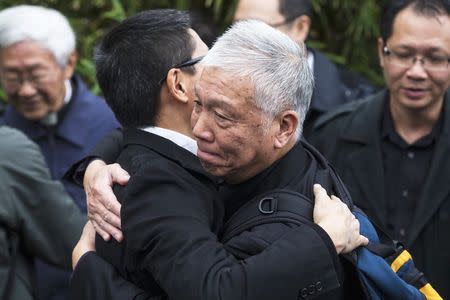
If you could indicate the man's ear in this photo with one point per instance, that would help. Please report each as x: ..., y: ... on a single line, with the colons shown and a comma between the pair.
x: 287, y: 126
x: 381, y: 45
x: 70, y: 66
x: 177, y: 83
x: 300, y: 28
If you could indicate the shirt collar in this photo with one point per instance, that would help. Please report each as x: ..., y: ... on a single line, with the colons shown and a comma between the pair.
x: 388, y: 130
x: 54, y: 117
x: 180, y: 139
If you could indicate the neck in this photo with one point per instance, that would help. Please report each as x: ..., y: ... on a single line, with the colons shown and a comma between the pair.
x: 176, y: 120
x: 174, y: 115
x: 413, y: 124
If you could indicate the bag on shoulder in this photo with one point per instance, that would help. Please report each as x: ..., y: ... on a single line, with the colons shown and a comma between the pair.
x: 384, y: 267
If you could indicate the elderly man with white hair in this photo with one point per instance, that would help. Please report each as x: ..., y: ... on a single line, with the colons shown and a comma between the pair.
x: 48, y: 103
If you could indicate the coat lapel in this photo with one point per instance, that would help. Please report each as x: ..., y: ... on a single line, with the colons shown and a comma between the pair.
x: 437, y: 187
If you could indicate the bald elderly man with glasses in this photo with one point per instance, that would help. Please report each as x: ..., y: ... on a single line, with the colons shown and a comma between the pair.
x: 392, y: 150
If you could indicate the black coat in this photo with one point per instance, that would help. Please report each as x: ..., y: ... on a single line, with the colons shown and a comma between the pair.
x: 170, y: 218
x: 350, y: 139
x: 333, y: 87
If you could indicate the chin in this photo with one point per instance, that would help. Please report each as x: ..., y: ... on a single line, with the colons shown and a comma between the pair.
x: 34, y: 116
x: 214, y: 170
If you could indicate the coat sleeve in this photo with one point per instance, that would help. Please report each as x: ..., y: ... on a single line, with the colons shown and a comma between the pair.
x: 108, y: 149
x: 94, y: 278
x: 166, y: 223
x: 47, y: 219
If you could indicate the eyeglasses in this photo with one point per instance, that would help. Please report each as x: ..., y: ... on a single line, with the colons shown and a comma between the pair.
x: 184, y: 64
x: 431, y: 62
x: 12, y: 81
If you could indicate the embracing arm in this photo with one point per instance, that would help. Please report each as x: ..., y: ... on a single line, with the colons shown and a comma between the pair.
x: 107, y: 150
x: 94, y: 278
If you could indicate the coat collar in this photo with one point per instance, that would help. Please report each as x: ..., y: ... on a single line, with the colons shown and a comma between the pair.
x: 70, y: 128
x: 167, y: 149
x: 365, y: 123
x: 363, y: 130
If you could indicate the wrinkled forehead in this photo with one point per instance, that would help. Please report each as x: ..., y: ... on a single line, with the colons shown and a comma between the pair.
x: 218, y: 83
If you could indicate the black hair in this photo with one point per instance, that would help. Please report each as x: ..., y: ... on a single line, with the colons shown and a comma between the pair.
x: 135, y: 56
x: 430, y: 8
x: 291, y: 9
x: 205, y: 26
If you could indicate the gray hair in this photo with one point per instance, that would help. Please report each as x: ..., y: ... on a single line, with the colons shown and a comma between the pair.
x: 45, y: 26
x: 276, y: 65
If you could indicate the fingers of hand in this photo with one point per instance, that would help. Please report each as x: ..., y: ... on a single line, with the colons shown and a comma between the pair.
x: 320, y: 193
x: 113, y: 231
x: 355, y: 239
x: 109, y: 201
x: 363, y: 240
x: 99, y: 229
x: 106, y: 227
x: 118, y: 175
x: 102, y: 196
x: 111, y: 219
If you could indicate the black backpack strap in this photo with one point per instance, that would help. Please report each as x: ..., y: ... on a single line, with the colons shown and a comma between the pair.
x: 13, y: 238
x: 275, y: 206
x: 327, y: 176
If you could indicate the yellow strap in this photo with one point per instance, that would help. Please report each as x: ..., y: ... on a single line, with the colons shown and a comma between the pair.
x: 400, y: 260
x: 427, y: 290
x: 430, y: 293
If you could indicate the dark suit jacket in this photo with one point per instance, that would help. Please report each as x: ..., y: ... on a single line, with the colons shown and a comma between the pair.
x: 350, y: 138
x: 170, y: 217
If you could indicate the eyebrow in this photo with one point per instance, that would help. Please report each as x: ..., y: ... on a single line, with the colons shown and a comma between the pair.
x: 431, y: 49
x: 29, y: 68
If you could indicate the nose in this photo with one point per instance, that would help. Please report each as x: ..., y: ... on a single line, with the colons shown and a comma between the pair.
x: 26, y: 89
x: 417, y: 70
x: 200, y: 128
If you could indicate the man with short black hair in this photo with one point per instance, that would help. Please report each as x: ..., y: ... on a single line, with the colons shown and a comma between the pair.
x: 392, y: 150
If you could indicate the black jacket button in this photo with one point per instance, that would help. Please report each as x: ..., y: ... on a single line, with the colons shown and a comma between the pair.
x: 304, y: 293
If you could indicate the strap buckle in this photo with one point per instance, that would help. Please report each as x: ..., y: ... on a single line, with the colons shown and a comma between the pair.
x: 267, y: 205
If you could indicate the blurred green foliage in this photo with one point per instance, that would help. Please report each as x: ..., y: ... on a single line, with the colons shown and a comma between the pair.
x: 345, y: 30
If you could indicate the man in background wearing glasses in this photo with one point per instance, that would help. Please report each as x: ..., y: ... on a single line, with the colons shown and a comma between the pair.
x: 48, y: 103
x: 393, y: 149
